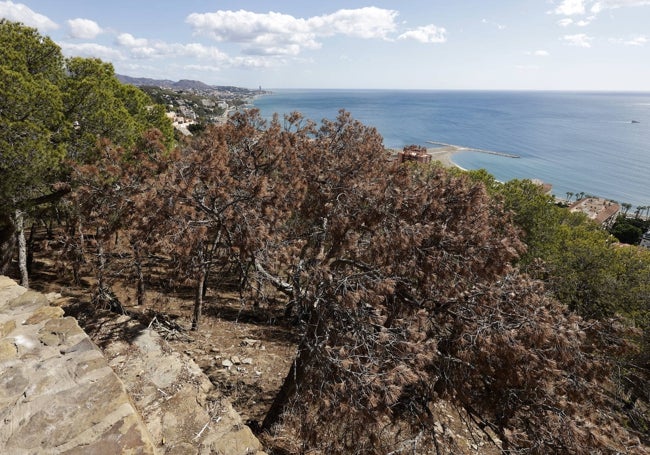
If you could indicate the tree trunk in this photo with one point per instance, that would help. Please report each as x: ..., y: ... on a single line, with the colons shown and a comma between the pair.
x: 198, y: 300
x: 30, y: 248
x: 101, y: 266
x: 78, y: 253
x: 215, y: 245
x: 7, y: 242
x: 293, y: 380
x: 286, y: 392
x: 22, y: 249
x: 140, y: 292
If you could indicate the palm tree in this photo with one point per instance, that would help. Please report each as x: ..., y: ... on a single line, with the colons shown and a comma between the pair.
x: 639, y: 208
x: 569, y: 195
x: 626, y: 206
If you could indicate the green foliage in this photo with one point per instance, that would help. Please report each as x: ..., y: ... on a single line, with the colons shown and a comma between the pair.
x: 580, y: 262
x: 31, y: 113
x: 94, y: 104
x: 583, y: 270
x: 100, y: 106
x: 25, y: 50
x: 145, y: 113
x: 535, y: 213
x: 52, y: 109
x: 196, y: 128
x: 629, y: 230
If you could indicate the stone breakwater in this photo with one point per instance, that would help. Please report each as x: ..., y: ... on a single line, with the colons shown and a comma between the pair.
x: 59, y: 394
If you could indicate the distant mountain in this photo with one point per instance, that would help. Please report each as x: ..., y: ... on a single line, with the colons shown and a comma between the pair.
x: 186, y: 84
x: 183, y: 84
x: 139, y: 81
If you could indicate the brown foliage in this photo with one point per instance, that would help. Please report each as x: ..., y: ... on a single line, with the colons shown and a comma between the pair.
x: 409, y: 298
x: 400, y: 277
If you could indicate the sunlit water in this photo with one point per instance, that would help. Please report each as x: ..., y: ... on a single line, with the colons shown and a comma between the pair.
x: 578, y: 142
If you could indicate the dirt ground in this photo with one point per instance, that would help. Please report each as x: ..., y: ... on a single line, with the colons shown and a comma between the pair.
x: 245, y: 353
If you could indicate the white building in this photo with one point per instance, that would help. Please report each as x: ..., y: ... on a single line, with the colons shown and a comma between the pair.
x: 645, y: 240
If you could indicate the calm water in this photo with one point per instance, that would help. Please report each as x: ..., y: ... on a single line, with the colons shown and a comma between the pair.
x: 579, y: 142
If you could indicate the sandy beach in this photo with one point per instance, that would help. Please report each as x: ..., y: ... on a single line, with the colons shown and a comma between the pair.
x: 442, y: 154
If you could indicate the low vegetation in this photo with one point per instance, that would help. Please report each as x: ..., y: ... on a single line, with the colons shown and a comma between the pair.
x: 407, y: 285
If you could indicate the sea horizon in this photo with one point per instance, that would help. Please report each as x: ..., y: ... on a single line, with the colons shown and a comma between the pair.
x: 596, y: 142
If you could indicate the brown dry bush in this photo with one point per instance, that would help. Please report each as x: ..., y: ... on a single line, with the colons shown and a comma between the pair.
x: 409, y: 298
x: 399, y: 276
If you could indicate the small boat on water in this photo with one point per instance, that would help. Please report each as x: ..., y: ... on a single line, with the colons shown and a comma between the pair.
x: 635, y: 121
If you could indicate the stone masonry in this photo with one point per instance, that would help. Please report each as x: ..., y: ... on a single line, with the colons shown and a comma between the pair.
x: 59, y: 394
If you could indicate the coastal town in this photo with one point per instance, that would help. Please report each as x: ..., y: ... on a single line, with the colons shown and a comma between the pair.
x: 193, y: 104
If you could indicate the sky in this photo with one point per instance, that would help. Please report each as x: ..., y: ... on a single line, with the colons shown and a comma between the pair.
x: 376, y: 44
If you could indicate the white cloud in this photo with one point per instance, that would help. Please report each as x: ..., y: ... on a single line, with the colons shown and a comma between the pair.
x: 579, y: 40
x: 142, y: 48
x: 84, y: 28
x: 570, y: 7
x: 263, y: 34
x: 495, y: 24
x: 640, y: 40
x: 128, y: 40
x: 278, y: 34
x: 18, y: 12
x: 586, y: 21
x: 579, y: 23
x: 539, y: 53
x: 202, y: 68
x: 91, y: 50
x: 370, y: 22
x: 580, y: 7
x: 637, y: 41
x: 198, y: 50
x: 426, y: 34
x: 527, y: 67
x: 254, y: 62
x: 613, y: 4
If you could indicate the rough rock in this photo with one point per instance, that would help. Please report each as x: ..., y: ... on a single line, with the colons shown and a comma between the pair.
x: 57, y: 392
x: 183, y: 411
x: 60, y: 394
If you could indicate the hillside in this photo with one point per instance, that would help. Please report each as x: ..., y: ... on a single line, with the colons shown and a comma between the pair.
x: 347, y: 302
x: 194, y: 101
x: 191, y: 85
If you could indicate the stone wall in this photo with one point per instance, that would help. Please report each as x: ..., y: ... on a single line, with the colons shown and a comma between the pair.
x: 57, y: 392
x: 60, y: 394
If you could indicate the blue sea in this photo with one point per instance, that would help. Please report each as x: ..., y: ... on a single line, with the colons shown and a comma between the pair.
x: 578, y: 142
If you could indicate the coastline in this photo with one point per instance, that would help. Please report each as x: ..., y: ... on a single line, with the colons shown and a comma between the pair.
x: 444, y: 155
x: 579, y: 142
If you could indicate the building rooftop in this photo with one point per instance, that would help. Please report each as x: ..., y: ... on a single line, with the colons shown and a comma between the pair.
x: 600, y: 210
x: 414, y: 153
